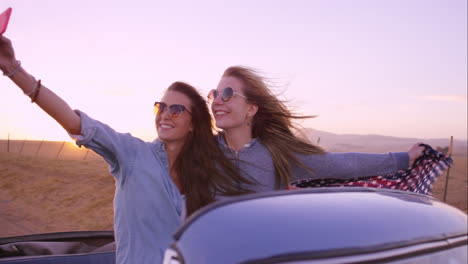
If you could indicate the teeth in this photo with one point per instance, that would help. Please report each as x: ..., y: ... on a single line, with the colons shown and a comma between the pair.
x: 165, y: 126
x: 220, y: 112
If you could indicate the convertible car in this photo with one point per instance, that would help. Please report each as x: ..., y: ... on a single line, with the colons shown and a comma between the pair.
x: 67, y: 247
x: 315, y: 225
x: 324, y: 225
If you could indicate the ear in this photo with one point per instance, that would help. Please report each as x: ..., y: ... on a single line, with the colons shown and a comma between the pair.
x: 191, y: 126
x: 252, y: 110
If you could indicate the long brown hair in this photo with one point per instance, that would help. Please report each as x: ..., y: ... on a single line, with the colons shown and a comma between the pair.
x: 203, y: 169
x: 273, y: 124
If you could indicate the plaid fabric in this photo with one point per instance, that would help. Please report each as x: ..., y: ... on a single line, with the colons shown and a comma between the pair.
x: 419, y: 178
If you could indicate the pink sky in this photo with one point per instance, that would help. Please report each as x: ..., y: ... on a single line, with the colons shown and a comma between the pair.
x: 396, y: 68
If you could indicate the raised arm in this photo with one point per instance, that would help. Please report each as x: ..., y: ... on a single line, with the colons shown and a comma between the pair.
x: 355, y: 165
x: 55, y: 106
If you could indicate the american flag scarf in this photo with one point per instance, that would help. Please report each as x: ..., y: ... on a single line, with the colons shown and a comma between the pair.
x: 419, y: 178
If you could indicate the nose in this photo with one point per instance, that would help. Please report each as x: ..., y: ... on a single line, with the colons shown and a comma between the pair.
x: 218, y: 100
x: 165, y: 114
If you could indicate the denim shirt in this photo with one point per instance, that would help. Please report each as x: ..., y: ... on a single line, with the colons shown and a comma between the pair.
x: 147, y: 203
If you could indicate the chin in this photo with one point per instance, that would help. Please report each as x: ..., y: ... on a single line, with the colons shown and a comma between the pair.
x: 227, y: 125
x: 221, y: 124
x: 171, y: 138
x: 164, y: 137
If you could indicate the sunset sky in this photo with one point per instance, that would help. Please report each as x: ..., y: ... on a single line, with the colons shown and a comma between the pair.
x: 387, y: 67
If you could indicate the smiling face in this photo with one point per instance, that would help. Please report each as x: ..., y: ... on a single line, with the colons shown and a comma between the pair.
x: 170, y: 129
x: 236, y: 113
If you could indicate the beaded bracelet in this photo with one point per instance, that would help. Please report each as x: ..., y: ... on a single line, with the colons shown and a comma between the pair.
x: 35, y: 91
x: 14, y: 71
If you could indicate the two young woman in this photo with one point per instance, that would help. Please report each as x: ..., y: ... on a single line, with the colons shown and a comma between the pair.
x: 187, y: 158
x: 152, y: 178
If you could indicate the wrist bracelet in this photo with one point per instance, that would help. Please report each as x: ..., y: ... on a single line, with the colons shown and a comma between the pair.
x: 14, y: 71
x: 36, y: 92
x: 33, y: 89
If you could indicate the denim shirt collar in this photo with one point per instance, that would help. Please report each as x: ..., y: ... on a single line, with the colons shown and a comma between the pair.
x: 160, y: 150
x: 159, y: 145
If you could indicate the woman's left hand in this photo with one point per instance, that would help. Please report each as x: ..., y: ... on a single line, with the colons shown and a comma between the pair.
x: 415, y: 152
x: 7, y: 55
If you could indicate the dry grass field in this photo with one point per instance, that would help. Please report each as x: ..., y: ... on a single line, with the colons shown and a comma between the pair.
x: 41, y: 191
x: 40, y: 195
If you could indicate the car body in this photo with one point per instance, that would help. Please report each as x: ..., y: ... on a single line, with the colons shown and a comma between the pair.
x: 91, y: 247
x: 324, y: 225
x: 315, y: 225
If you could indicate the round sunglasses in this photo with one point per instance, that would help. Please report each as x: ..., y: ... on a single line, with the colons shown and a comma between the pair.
x: 175, y: 110
x: 227, y: 94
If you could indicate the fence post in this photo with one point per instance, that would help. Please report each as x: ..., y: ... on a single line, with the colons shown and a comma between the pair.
x: 22, y: 145
x: 448, y: 170
x: 39, y: 148
x: 86, y: 154
x: 60, y: 150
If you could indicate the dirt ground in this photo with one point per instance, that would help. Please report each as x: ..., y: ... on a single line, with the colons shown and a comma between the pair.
x: 41, y: 194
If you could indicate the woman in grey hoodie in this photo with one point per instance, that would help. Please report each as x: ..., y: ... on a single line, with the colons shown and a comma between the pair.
x: 257, y: 132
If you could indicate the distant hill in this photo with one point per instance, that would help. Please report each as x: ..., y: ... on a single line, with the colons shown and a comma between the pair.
x: 330, y: 141
x: 377, y: 143
x: 65, y: 150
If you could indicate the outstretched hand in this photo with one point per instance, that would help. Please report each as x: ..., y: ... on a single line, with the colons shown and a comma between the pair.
x: 415, y: 152
x: 7, y: 55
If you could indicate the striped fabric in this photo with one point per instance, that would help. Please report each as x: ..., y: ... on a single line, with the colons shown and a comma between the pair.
x: 419, y: 178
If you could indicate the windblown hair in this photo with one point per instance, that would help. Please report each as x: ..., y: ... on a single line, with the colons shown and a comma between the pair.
x: 273, y: 124
x: 203, y: 169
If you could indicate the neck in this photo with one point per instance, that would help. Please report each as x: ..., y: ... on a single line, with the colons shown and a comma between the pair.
x: 173, y: 150
x: 236, y: 138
